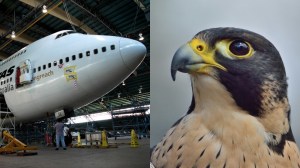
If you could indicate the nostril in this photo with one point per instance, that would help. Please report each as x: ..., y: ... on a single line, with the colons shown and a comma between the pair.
x: 200, y: 47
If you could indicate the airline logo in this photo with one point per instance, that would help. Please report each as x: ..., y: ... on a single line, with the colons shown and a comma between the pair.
x: 6, y: 72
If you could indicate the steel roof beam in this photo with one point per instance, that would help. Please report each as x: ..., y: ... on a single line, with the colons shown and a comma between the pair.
x: 23, y: 38
x: 140, y: 4
x: 27, y: 26
x: 144, y: 9
x: 97, y: 15
x: 59, y: 13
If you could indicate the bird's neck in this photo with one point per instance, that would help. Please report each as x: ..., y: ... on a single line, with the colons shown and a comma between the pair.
x: 211, y: 94
x: 221, y: 115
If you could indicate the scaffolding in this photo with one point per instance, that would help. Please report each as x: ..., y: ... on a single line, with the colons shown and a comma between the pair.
x: 8, y: 141
x: 7, y: 119
x: 7, y: 123
x: 134, y: 118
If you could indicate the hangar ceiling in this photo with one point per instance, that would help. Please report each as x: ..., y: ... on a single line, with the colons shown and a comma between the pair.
x: 125, y: 18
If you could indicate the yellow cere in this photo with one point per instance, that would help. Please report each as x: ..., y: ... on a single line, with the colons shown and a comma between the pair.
x: 203, y: 51
x: 223, y: 47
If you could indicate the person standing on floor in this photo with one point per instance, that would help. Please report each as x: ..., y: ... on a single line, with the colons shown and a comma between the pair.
x: 59, y: 128
x: 67, y: 135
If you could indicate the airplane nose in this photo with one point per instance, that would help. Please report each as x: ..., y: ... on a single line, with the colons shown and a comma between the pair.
x: 132, y: 52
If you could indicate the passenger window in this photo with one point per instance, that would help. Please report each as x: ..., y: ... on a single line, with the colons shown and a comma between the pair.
x: 103, y: 49
x: 3, y: 82
x: 95, y: 51
x: 112, y: 47
x: 10, y: 78
x: 54, y: 63
x: 49, y: 65
x: 73, y: 57
x: 34, y: 70
x: 44, y: 66
x: 80, y: 55
x: 88, y: 53
x: 67, y: 59
x: 39, y: 68
x: 7, y: 80
x: 60, y: 61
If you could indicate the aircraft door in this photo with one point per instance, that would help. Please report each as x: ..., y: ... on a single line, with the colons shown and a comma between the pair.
x: 18, y: 74
x: 25, y: 74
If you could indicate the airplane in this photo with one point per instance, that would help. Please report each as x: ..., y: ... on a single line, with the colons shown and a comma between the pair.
x: 64, y: 71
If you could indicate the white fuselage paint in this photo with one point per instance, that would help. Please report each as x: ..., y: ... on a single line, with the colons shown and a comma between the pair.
x: 50, y: 91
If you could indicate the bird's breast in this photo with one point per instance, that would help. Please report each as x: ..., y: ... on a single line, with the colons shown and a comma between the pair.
x: 192, y: 144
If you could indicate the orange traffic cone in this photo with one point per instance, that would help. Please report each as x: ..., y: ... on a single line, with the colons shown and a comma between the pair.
x: 134, y: 139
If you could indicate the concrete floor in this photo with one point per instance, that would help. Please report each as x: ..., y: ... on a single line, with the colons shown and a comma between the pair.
x: 48, y: 157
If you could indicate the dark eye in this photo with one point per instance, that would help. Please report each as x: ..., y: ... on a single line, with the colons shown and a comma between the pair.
x: 239, y: 48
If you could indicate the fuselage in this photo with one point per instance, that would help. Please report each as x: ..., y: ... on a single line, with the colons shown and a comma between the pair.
x: 66, y: 70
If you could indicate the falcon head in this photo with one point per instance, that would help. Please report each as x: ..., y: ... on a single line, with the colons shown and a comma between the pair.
x: 247, y: 65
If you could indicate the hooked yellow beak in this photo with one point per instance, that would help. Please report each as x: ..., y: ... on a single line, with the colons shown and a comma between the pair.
x: 193, y: 57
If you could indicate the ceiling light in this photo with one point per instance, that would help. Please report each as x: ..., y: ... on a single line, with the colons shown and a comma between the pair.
x: 13, y: 34
x: 102, y: 99
x: 123, y: 83
x: 45, y: 9
x: 140, y: 89
x: 141, y: 37
x: 119, y: 95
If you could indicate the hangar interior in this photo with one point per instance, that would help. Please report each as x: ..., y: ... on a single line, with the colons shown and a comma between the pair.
x: 124, y: 108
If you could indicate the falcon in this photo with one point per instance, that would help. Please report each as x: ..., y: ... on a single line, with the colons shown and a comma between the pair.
x: 240, y: 114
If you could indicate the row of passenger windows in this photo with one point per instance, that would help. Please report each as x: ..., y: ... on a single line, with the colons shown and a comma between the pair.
x: 61, y: 61
x: 73, y: 58
x: 6, y: 81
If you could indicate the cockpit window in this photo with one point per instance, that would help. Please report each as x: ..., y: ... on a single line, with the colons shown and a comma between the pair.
x: 64, y: 33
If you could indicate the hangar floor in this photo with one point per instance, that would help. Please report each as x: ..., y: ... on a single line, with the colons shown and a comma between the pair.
x: 48, y: 157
